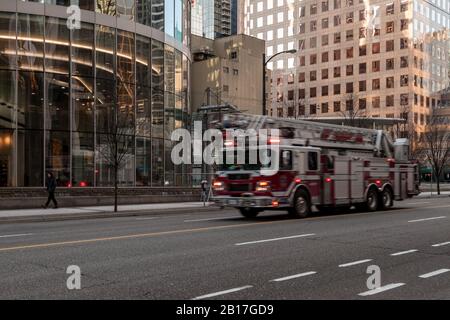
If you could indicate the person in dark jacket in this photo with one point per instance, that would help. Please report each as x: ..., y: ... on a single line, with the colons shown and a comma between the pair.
x: 50, y: 183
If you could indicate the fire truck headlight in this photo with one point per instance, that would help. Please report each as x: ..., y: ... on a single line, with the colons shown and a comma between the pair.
x: 218, y: 186
x: 262, y: 186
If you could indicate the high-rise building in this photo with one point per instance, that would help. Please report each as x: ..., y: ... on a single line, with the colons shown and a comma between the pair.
x: 61, y: 89
x: 375, y: 58
x: 211, y: 18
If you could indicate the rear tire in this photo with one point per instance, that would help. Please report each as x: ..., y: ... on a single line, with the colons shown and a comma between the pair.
x: 249, y: 212
x: 386, y: 199
x: 302, y: 205
x: 372, y: 200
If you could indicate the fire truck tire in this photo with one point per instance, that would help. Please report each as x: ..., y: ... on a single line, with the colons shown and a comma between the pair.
x: 386, y: 199
x: 249, y: 212
x: 372, y: 200
x: 302, y: 205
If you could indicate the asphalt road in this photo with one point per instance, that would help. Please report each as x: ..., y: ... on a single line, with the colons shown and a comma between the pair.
x: 223, y: 256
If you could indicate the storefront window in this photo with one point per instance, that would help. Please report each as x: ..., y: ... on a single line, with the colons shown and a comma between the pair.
x: 30, y: 100
x: 7, y: 99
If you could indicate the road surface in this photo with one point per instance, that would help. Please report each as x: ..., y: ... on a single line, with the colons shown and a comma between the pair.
x: 224, y: 256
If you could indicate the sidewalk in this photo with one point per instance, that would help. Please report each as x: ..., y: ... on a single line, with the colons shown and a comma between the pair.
x: 427, y: 194
x: 33, y: 215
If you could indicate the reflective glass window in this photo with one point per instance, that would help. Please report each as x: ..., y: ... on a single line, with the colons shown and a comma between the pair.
x: 30, y: 100
x: 104, y: 52
x: 30, y: 152
x: 8, y: 53
x: 158, y: 14
x: 56, y: 46
x: 125, y: 56
x: 169, y: 17
x: 30, y: 42
x: 82, y: 50
x: 106, y: 7
x: 157, y: 88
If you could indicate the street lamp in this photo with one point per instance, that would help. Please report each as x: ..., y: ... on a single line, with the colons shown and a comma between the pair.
x: 292, y: 51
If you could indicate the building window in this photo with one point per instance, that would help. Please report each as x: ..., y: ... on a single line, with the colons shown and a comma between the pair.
x: 235, y: 72
x: 301, y: 77
x: 390, y: 27
x: 337, y: 72
x: 325, y: 40
x: 349, y: 70
x: 349, y: 105
x: 337, y: 89
x: 301, y: 94
x: 349, y: 87
x: 376, y: 66
x: 324, y: 23
x: 362, y: 68
x: 362, y: 104
x: 390, y: 64
x: 404, y: 80
x: 403, y: 43
x: 336, y: 106
x: 390, y: 82
x: 404, y: 24
x: 362, y: 86
x: 337, y: 55
x: 313, y: 59
x: 325, y: 57
x: 404, y: 62
x: 226, y: 70
x: 390, y: 9
x: 349, y: 17
x: 324, y: 74
x: 312, y: 108
x: 404, y: 100
x: 324, y: 91
x: 362, y: 50
x: 349, y: 35
x: 376, y: 48
x: 375, y: 84
x: 313, y: 8
x: 390, y: 101
x: 349, y: 53
x: 337, y: 37
x: 291, y: 95
x: 313, y: 26
x: 337, y: 20
x: 325, y: 107
x: 313, y: 75
x: 389, y: 45
x: 375, y: 102
x: 362, y: 33
x: 312, y: 92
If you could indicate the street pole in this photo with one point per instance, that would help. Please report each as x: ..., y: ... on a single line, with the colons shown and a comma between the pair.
x: 264, y: 107
x: 264, y: 110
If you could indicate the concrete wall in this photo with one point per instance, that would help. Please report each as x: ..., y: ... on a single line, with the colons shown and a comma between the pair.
x: 23, y: 198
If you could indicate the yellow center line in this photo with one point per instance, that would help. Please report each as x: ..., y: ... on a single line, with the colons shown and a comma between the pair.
x: 133, y: 236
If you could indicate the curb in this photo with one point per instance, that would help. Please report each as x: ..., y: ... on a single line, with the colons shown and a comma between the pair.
x: 109, y: 214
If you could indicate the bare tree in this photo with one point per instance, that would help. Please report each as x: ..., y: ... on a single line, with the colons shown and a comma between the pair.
x: 435, y: 146
x: 353, y: 113
x: 116, y: 145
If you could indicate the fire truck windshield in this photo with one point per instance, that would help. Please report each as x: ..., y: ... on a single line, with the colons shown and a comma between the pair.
x: 249, y: 165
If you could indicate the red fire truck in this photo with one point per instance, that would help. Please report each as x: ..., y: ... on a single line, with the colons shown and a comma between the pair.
x: 324, y: 165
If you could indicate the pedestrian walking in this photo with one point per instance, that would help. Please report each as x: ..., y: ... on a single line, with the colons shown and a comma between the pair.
x: 204, y: 185
x: 50, y: 184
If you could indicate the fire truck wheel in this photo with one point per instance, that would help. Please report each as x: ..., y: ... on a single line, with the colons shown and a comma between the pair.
x: 249, y: 212
x: 372, y: 200
x: 386, y: 199
x: 302, y: 205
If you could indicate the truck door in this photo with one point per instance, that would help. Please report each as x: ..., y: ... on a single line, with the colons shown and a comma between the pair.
x: 357, y: 181
x: 341, y: 180
x: 327, y: 196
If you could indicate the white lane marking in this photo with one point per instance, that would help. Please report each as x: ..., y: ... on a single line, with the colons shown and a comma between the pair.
x: 419, y: 202
x: 215, y: 294
x: 440, y: 244
x: 208, y: 219
x: 275, y: 239
x: 381, y: 289
x: 403, y: 252
x: 435, y: 207
x: 426, y: 219
x: 304, y: 274
x: 354, y: 263
x: 16, y: 235
x: 434, y: 273
x: 151, y: 218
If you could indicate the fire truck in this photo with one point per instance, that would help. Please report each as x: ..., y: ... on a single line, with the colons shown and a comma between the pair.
x: 323, y: 165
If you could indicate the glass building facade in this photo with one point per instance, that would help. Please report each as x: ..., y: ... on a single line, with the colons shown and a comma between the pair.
x: 61, y: 89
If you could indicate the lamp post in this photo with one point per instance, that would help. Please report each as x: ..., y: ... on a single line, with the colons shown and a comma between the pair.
x: 292, y: 51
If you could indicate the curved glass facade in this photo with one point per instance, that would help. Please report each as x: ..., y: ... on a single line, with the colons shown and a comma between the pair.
x: 61, y: 89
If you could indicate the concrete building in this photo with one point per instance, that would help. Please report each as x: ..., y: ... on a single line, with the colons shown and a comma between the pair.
x: 228, y: 70
x: 211, y: 18
x: 372, y: 58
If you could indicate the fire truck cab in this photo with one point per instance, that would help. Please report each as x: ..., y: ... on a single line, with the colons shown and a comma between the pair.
x: 328, y: 176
